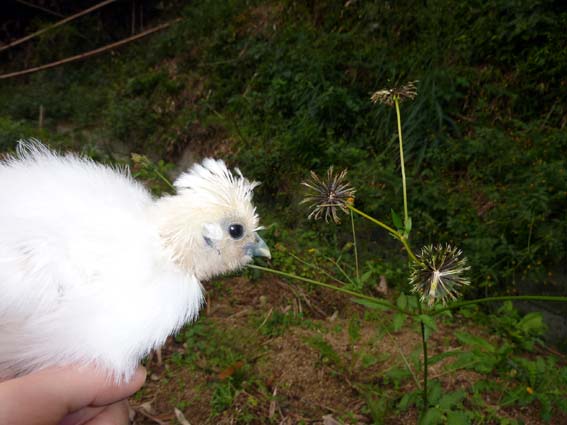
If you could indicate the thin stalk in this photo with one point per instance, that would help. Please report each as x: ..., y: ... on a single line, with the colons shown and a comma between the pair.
x: 316, y: 267
x: 530, y: 233
x: 393, y: 232
x: 326, y: 285
x: 355, y: 247
x: 500, y: 298
x: 404, y: 359
x: 399, y: 119
x: 339, y: 268
x: 163, y: 178
x: 425, y: 359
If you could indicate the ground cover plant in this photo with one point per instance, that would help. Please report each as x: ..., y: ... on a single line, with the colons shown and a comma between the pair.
x: 283, y: 87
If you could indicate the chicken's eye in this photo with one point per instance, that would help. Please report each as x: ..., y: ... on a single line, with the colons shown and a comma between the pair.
x: 236, y: 231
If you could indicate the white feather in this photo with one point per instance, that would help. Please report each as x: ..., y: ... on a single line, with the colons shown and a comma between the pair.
x: 93, y: 270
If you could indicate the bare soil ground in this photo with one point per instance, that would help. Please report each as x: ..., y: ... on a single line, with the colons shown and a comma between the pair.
x: 259, y: 355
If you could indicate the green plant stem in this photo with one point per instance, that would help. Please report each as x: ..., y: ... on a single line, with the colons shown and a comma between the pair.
x: 316, y: 267
x: 404, y: 359
x: 399, y: 119
x: 163, y: 178
x: 394, y: 307
x: 326, y: 285
x: 393, y: 232
x: 354, y: 243
x: 425, y: 359
x: 500, y: 298
x: 340, y: 269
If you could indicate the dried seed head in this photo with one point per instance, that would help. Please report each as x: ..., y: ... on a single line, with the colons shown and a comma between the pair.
x: 440, y: 274
x: 389, y: 96
x: 328, y: 196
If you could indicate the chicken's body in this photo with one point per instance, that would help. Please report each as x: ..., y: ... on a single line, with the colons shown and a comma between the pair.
x: 88, y: 270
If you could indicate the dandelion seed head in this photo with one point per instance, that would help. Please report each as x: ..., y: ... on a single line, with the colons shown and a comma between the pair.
x: 389, y: 96
x: 328, y: 196
x: 440, y: 274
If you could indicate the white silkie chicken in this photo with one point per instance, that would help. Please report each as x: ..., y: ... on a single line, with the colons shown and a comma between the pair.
x: 93, y: 270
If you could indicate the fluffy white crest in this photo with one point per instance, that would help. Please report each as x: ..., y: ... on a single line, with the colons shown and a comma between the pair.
x: 212, y: 183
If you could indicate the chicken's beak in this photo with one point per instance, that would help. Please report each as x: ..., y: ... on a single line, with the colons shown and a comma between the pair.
x: 260, y: 249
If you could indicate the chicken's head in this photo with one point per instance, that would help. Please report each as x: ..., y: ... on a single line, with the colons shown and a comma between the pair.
x: 210, y: 226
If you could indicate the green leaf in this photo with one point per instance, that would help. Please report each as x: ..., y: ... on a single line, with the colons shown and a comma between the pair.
x: 513, y: 396
x: 450, y: 400
x: 457, y: 418
x: 373, y: 305
x: 365, y: 276
x: 408, y: 400
x: 475, y: 341
x: 433, y: 416
x: 407, y: 226
x: 532, y: 323
x: 437, y: 358
x: 428, y: 321
x: 398, y: 321
x: 402, y: 301
x: 397, y: 375
x: 368, y: 360
x: 434, y: 393
x: 396, y: 220
x: 325, y: 349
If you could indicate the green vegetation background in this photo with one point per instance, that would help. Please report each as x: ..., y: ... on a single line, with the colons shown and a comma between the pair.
x: 282, y: 87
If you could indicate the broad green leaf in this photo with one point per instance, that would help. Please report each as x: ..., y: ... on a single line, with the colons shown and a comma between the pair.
x: 365, y: 276
x: 434, y: 392
x: 402, y: 301
x: 531, y: 323
x: 457, y: 418
x: 396, y: 220
x: 450, y: 400
x: 397, y: 375
x: 428, y: 321
x: 408, y: 400
x: 475, y: 341
x: 433, y: 416
x: 398, y: 321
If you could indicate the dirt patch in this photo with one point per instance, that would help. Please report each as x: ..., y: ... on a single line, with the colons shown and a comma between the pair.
x: 306, y: 388
x: 266, y: 351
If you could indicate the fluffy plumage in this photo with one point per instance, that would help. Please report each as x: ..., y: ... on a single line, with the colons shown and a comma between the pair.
x: 93, y: 270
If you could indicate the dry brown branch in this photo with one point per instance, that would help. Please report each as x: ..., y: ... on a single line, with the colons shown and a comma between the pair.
x: 55, y: 25
x: 37, y: 6
x: 88, y: 54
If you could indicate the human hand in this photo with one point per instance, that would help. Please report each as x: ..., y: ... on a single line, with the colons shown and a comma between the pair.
x: 67, y: 396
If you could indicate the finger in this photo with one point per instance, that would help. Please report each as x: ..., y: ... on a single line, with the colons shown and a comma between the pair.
x: 114, y: 414
x: 88, y: 386
x: 56, y: 392
x: 113, y: 392
x: 81, y: 416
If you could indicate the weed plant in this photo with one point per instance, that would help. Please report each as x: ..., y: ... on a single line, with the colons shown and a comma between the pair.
x: 438, y: 275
